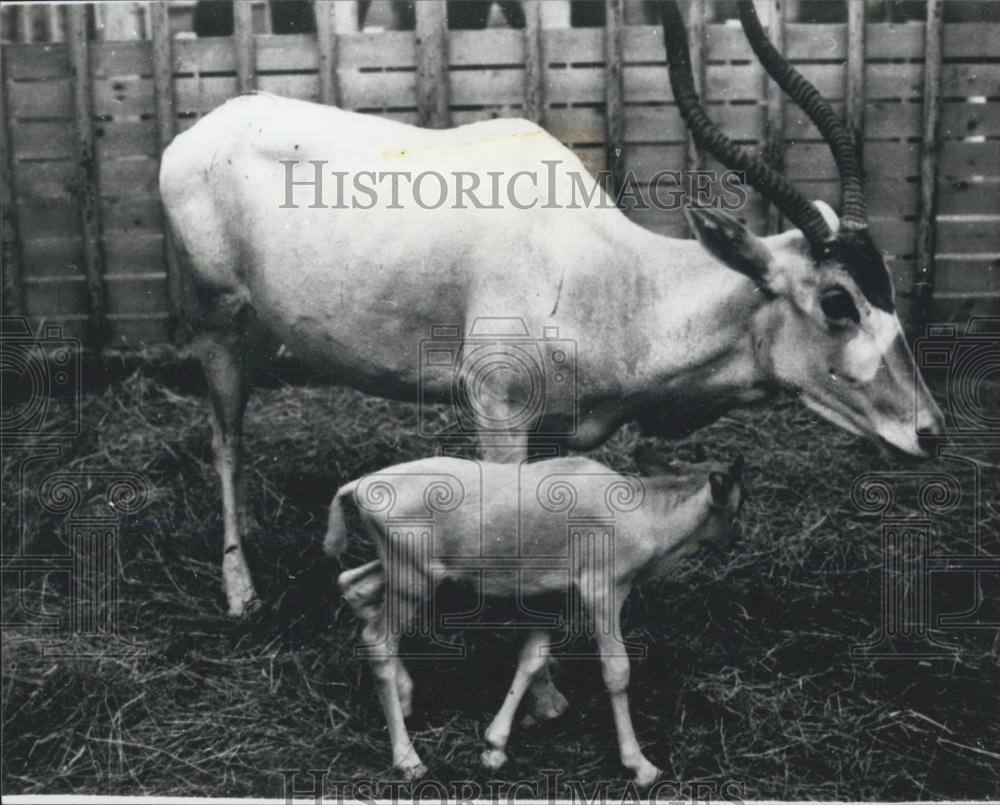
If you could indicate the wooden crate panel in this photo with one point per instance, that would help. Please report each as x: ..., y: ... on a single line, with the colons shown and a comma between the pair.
x: 49, y: 139
x: 286, y: 52
x: 966, y: 159
x: 958, y: 197
x: 893, y: 235
x: 133, y: 217
x: 126, y: 138
x: 40, y: 181
x: 125, y: 254
x: 30, y: 62
x: 969, y: 276
x: 209, y: 55
x: 493, y: 46
x: 803, y: 42
x: 375, y: 90
x: 135, y: 295
x: 305, y: 87
x: 55, y: 296
x: 384, y: 49
x: 49, y: 218
x: 49, y: 98
x: 203, y: 93
x: 123, y: 96
x: 130, y: 178
x: 971, y: 236
x: 483, y: 87
x: 112, y: 59
x: 46, y: 257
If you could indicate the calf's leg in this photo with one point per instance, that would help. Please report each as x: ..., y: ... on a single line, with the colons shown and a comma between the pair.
x: 615, y: 669
x: 534, y: 655
x: 382, y: 647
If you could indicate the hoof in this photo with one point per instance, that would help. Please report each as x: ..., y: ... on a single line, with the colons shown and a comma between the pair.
x: 645, y: 776
x: 493, y: 758
x: 415, y: 772
x: 239, y: 610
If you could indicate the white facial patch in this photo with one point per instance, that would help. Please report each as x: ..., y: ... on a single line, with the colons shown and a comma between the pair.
x: 864, y: 353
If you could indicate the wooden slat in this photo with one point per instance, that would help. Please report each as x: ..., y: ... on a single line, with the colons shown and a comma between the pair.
x: 493, y: 46
x: 432, y: 63
x: 326, y: 44
x: 115, y: 59
x: 33, y: 99
x: 969, y: 275
x: 383, y: 49
x: 804, y: 42
x: 245, y: 47
x: 13, y: 266
x: 774, y: 145
x: 614, y: 94
x: 855, y: 92
x: 534, y: 63
x: 34, y: 62
x: 923, y: 278
x: 87, y: 177
x: 166, y: 126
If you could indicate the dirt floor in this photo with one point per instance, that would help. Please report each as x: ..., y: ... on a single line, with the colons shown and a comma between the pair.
x: 748, y: 677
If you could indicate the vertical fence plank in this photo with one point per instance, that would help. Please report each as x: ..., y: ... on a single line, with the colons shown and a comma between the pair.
x: 693, y: 158
x: 87, y: 174
x: 930, y: 149
x: 166, y: 122
x: 432, y: 64
x: 57, y: 31
x: 856, y: 75
x: 774, y: 142
x: 243, y: 41
x: 26, y: 23
x: 326, y: 42
x: 534, y: 63
x: 614, y: 93
x: 13, y: 289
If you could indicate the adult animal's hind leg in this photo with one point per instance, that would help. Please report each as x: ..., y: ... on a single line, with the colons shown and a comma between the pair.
x: 222, y: 359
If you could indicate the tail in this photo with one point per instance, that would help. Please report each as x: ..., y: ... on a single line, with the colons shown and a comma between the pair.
x: 336, y: 530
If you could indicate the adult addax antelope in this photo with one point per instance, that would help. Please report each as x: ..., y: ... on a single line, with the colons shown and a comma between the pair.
x: 669, y: 332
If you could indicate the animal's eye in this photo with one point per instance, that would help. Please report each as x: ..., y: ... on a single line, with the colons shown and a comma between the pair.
x: 838, y: 305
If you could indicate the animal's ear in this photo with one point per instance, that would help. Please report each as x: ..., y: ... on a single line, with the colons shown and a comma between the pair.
x: 722, y: 487
x: 729, y: 241
x: 651, y: 461
x: 736, y: 468
x: 828, y: 214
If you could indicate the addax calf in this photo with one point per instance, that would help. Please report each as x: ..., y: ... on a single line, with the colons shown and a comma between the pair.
x: 532, y: 529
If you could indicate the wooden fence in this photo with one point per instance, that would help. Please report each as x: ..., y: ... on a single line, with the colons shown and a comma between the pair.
x: 85, y: 122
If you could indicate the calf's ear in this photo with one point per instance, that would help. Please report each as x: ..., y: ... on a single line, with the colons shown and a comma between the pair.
x: 722, y: 487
